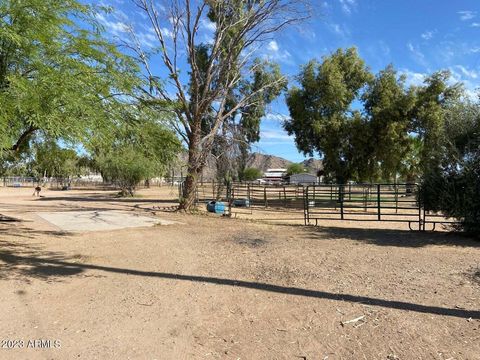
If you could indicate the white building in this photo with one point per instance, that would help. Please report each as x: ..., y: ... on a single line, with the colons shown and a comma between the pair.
x: 274, y: 175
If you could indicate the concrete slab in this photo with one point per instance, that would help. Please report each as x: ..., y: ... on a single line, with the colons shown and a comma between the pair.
x: 79, y: 221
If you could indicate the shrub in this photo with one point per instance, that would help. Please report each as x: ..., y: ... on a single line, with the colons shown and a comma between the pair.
x: 127, y: 167
x: 251, y: 174
x: 455, y: 193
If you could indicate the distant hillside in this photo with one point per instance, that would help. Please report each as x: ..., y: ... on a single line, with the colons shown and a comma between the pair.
x: 256, y: 160
x: 264, y: 162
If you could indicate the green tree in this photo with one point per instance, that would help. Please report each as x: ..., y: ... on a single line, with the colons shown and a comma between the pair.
x: 399, y: 131
x: 452, y: 186
x: 295, y: 168
x: 410, y: 169
x: 53, y: 161
x: 321, y: 109
x: 57, y: 73
x: 138, y: 146
x: 388, y: 105
x: 126, y: 167
x: 16, y: 164
x: 251, y: 174
x: 428, y: 117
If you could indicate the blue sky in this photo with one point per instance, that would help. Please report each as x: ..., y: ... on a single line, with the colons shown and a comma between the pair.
x: 417, y: 37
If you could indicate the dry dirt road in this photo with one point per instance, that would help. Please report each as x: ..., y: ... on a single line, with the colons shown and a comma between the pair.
x: 206, y: 287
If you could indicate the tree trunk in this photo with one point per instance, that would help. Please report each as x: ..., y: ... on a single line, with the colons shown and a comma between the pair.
x: 195, y: 167
x: 187, y: 202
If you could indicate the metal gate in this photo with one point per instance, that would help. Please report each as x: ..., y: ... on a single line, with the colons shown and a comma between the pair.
x: 349, y: 202
x: 369, y: 202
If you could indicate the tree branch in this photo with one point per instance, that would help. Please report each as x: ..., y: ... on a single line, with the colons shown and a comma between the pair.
x: 23, y: 138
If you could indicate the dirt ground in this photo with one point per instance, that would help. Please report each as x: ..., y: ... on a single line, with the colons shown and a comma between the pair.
x: 207, y: 287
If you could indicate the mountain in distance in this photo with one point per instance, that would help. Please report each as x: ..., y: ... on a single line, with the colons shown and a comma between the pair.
x: 265, y: 161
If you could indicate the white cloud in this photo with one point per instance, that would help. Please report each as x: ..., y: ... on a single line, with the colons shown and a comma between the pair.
x: 413, y: 78
x: 167, y: 32
x: 208, y: 25
x: 348, y: 6
x: 465, y: 77
x: 475, y: 24
x: 276, y: 117
x: 307, y: 33
x: 459, y: 74
x: 274, y: 53
x: 466, y: 72
x: 339, y: 29
x: 427, y: 35
x: 273, y: 46
x: 417, y: 55
x: 142, y: 15
x: 147, y: 39
x: 467, y: 15
x: 275, y: 135
x: 115, y: 28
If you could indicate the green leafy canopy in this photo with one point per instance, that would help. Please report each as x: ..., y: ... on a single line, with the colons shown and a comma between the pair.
x: 58, y: 75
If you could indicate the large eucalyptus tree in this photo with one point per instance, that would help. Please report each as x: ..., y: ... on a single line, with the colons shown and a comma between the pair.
x: 240, y: 27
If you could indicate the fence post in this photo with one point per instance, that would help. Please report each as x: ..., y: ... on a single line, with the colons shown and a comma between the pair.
x: 265, y: 196
x: 424, y: 219
x: 365, y: 200
x: 396, y: 198
x: 305, y: 206
x: 378, y: 202
x: 341, y: 194
x: 284, y: 197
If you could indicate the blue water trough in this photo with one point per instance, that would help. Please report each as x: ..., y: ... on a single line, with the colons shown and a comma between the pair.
x: 216, y: 207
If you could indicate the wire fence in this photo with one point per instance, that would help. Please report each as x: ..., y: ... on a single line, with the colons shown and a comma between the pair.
x: 56, y: 183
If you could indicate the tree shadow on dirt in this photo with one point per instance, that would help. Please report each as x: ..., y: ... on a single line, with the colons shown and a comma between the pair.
x: 8, y: 219
x: 130, y: 204
x: 27, y: 261
x: 55, y: 265
x: 387, y: 237
x: 25, y: 232
x: 102, y: 198
x: 475, y: 276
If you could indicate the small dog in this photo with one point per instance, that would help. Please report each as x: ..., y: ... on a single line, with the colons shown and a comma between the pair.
x: 37, y: 190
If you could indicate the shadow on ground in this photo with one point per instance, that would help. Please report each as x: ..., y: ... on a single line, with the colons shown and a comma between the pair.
x: 387, y: 237
x: 103, y: 198
x: 475, y: 276
x: 33, y: 262
x: 28, y: 233
x: 21, y: 261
